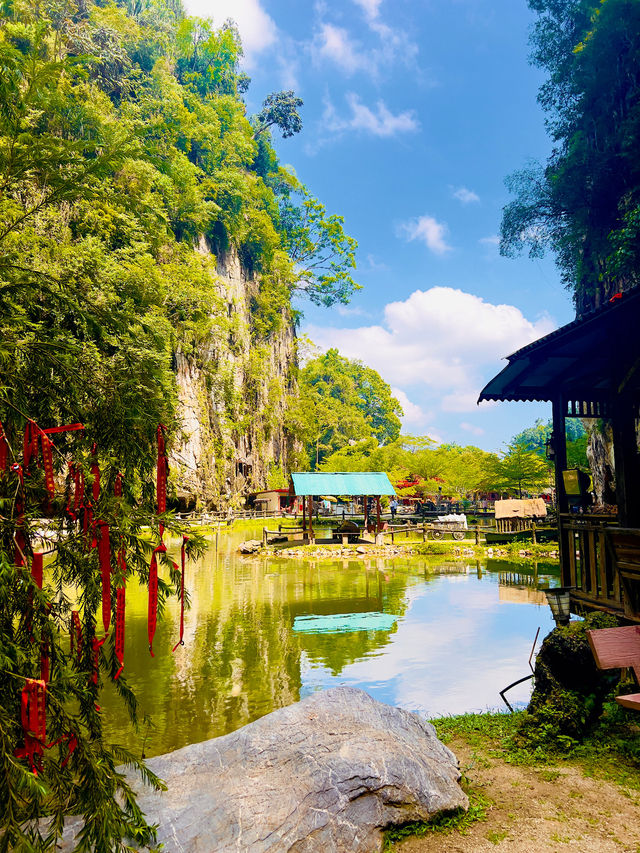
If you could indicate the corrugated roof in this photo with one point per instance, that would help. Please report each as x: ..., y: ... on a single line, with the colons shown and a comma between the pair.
x: 374, y: 483
x: 586, y: 359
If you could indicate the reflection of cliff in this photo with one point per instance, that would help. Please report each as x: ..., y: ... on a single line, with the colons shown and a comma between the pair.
x: 241, y: 658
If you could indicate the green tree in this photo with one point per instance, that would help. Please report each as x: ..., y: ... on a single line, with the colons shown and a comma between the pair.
x: 280, y: 109
x: 584, y: 203
x: 343, y: 403
x: 519, y: 470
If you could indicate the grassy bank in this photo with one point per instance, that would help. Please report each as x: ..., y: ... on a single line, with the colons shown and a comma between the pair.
x: 463, y: 550
x: 490, y: 747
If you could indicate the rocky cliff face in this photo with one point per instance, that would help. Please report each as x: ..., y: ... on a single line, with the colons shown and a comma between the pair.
x: 233, y: 390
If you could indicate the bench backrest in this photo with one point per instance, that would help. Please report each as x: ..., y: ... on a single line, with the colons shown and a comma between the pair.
x: 615, y: 648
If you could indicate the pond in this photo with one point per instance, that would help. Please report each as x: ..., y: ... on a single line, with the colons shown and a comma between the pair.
x: 431, y: 635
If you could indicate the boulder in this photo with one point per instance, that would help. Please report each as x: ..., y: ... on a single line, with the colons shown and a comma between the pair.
x: 251, y: 546
x: 325, y: 774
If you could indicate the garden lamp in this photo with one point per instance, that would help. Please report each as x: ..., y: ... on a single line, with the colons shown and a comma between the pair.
x: 559, y: 600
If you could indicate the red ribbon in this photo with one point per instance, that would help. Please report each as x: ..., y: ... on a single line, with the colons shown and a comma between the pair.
x: 180, y: 642
x: 4, y: 450
x: 96, y: 645
x: 152, y: 612
x: 76, y: 634
x: 104, y: 558
x: 47, y: 461
x: 66, y: 428
x: 30, y: 444
x: 120, y: 606
x: 34, y: 722
x: 117, y: 486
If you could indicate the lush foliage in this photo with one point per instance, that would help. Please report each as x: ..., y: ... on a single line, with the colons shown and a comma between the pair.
x: 585, y: 203
x: 343, y: 404
x: 535, y: 438
x: 124, y: 151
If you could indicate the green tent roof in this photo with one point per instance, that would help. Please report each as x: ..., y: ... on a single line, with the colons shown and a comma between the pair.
x: 372, y: 483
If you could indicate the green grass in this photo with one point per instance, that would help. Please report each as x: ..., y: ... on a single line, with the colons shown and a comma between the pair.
x: 611, y: 751
x: 443, y: 824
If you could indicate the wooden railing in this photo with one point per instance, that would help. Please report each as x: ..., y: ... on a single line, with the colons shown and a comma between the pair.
x: 602, y: 563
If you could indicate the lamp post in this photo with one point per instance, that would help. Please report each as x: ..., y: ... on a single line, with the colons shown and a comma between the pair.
x: 559, y: 600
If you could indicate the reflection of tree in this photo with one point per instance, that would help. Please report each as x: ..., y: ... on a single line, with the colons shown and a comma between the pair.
x: 241, y: 658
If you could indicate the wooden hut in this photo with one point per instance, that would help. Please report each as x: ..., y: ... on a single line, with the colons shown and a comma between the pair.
x: 590, y: 368
x: 362, y: 484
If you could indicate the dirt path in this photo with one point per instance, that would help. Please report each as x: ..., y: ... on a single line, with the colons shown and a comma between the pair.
x: 535, y: 809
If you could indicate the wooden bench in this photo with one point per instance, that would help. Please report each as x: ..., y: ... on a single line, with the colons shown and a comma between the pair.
x: 617, y: 648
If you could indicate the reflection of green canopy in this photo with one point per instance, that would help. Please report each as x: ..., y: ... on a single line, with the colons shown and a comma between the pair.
x: 373, y: 483
x: 339, y: 622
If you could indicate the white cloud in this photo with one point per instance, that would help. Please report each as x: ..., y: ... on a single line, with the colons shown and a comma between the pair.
x: 334, y: 44
x: 494, y: 240
x: 257, y: 28
x: 379, y: 122
x: 431, y: 232
x: 442, y: 342
x: 472, y: 428
x: 413, y: 414
x: 466, y: 196
x: 371, y: 8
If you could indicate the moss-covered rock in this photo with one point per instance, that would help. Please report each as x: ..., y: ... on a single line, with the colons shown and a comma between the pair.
x: 569, y: 689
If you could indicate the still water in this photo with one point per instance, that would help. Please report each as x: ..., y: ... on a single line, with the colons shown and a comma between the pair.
x: 436, y: 637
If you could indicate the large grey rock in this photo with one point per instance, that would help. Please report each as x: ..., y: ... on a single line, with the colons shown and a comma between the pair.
x: 326, y: 774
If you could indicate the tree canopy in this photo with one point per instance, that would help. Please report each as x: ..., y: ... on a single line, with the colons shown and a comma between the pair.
x: 343, y: 403
x: 125, y: 152
x: 584, y: 204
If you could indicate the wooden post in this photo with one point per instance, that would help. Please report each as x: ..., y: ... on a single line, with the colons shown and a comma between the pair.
x: 310, y: 518
x: 627, y: 462
x: 304, y: 516
x: 264, y: 536
x: 378, y: 525
x: 424, y: 533
x: 477, y: 535
x: 562, y: 505
x: 533, y: 533
x: 366, y: 512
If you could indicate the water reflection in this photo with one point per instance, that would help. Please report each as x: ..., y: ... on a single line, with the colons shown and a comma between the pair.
x: 458, y: 636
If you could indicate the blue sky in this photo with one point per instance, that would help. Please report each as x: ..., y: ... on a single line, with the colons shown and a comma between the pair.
x: 414, y: 113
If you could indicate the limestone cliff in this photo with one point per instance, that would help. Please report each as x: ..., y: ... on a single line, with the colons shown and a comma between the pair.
x: 233, y: 390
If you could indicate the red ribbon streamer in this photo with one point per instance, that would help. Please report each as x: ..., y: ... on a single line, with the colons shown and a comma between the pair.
x: 180, y: 642
x: 76, y: 634
x: 4, y: 450
x: 152, y: 613
x: 34, y: 722
x: 117, y: 486
x: 30, y: 445
x: 120, y: 608
x: 66, y: 428
x: 47, y: 461
x: 96, y: 645
x: 104, y: 558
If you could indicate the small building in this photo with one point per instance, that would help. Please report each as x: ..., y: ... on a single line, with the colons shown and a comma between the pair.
x: 271, y: 501
x: 361, y: 484
x: 589, y: 369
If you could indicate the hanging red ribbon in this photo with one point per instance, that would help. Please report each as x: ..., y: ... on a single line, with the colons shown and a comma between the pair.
x: 34, y: 722
x: 76, y: 635
x: 47, y: 461
x: 30, y: 444
x: 66, y: 428
x: 37, y: 566
x: 96, y: 645
x: 4, y: 450
x: 152, y: 612
x: 78, y: 489
x: 180, y: 642
x: 120, y: 605
x: 95, y: 471
x: 104, y: 558
x: 117, y: 486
